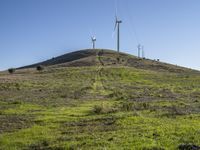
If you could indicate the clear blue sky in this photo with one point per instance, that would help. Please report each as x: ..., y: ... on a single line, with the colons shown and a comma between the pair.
x: 35, y: 30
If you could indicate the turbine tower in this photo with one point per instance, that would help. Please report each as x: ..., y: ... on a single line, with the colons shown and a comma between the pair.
x: 143, y: 54
x: 117, y: 25
x: 93, y: 38
x: 139, y: 49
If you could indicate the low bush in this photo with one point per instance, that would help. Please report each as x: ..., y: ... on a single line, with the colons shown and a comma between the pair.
x: 16, y: 102
x: 188, y: 147
x: 1, y: 113
x: 98, y: 109
x: 118, y: 95
x: 130, y: 106
x: 103, y: 109
x: 40, y: 68
x: 127, y: 106
x: 11, y: 70
x: 174, y: 111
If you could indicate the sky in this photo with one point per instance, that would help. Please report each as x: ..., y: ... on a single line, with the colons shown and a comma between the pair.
x: 36, y: 30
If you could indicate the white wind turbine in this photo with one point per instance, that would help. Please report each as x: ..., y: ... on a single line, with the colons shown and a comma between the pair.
x: 117, y: 26
x: 93, y: 38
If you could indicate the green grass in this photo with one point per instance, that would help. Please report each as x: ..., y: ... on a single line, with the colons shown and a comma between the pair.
x: 99, y: 108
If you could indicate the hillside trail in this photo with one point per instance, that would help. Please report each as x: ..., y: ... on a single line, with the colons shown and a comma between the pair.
x: 98, y: 85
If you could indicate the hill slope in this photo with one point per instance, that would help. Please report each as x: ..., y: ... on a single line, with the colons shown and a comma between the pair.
x: 113, y: 104
x: 108, y: 58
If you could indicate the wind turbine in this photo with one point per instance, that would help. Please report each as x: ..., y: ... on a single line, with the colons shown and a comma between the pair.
x: 139, y: 49
x: 93, y: 38
x: 117, y: 25
x: 143, y: 54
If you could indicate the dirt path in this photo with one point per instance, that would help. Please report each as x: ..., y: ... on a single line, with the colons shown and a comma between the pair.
x: 98, y: 84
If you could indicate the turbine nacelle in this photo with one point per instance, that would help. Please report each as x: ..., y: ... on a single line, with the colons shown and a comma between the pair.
x: 93, y: 38
x: 117, y: 22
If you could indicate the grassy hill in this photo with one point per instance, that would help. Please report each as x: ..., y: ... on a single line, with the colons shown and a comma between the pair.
x: 89, y: 57
x: 99, y: 99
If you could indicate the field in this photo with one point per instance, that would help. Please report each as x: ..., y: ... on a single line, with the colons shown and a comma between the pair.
x: 100, y: 107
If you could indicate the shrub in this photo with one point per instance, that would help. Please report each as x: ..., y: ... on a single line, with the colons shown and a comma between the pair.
x: 98, y: 109
x: 118, y: 95
x: 16, y: 102
x: 1, y: 113
x: 145, y: 105
x: 79, y: 93
x: 40, y: 68
x: 153, y: 148
x: 127, y: 106
x: 174, y: 111
x: 11, y: 70
x: 42, y: 145
x: 103, y: 109
x: 188, y: 147
x: 132, y: 106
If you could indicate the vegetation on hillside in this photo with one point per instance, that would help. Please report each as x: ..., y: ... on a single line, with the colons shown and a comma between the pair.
x: 100, y: 107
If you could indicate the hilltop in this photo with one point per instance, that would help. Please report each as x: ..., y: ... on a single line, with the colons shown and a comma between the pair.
x: 88, y: 57
x: 99, y: 99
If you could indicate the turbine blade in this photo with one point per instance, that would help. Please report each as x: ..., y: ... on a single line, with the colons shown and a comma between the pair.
x: 116, y: 8
x: 113, y: 34
x: 115, y: 26
x: 92, y: 39
x: 116, y: 19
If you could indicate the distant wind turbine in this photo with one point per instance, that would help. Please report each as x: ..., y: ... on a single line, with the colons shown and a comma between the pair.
x: 139, y: 49
x: 143, y: 54
x: 93, y: 38
x: 117, y: 25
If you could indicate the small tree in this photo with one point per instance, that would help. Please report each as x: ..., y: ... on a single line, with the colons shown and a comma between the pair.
x: 11, y: 70
x: 40, y: 68
x: 118, y: 59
